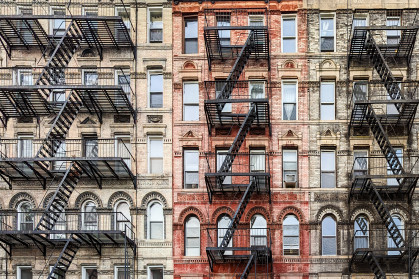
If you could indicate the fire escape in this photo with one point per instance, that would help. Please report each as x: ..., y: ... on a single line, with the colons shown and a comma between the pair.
x: 386, y: 108
x: 230, y: 108
x: 97, y: 162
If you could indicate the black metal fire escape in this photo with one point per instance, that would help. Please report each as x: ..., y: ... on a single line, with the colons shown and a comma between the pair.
x: 364, y: 48
x: 81, y: 31
x: 255, y: 46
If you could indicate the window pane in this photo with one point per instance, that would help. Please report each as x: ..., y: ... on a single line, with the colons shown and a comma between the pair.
x: 91, y: 273
x: 156, y: 273
x: 327, y: 160
x: 288, y: 45
x: 360, y: 22
x: 156, y: 83
x: 191, y: 46
x: 290, y: 112
x: 156, y: 148
x: 327, y: 112
x: 328, y: 180
x: 328, y: 226
x: 156, y: 212
x: 289, y: 93
x: 192, y: 251
x: 191, y: 160
x: 329, y: 246
x: 326, y: 27
x: 25, y: 273
x: 191, y: 180
x: 288, y: 27
x: 191, y: 28
x: 327, y: 44
x: 327, y: 94
x: 156, y: 230
x: 156, y: 100
x: 156, y: 165
x: 190, y: 93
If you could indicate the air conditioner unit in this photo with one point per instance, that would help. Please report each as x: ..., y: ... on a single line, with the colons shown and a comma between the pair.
x: 290, y: 180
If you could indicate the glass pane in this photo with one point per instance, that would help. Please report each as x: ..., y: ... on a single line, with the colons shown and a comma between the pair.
x: 156, y: 165
x: 328, y: 226
x: 288, y: 27
x: 360, y: 22
x: 192, y: 251
x: 191, y: 160
x: 360, y: 91
x: 328, y: 161
x: 156, y: 100
x: 91, y: 78
x: 327, y: 94
x: 288, y: 45
x: 191, y: 28
x: 327, y: 112
x: 25, y: 273
x: 192, y: 241
x: 257, y: 161
x: 156, y: 83
x: 191, y: 46
x: 156, y: 212
x: 156, y: 148
x: 257, y: 89
x: 290, y: 112
x: 289, y: 93
x: 329, y: 246
x: 191, y: 93
x: 326, y: 27
x: 191, y: 179
x: 156, y: 273
x: 156, y: 35
x: 291, y: 241
x: 91, y: 273
x: 328, y: 180
x: 327, y: 44
x: 156, y: 230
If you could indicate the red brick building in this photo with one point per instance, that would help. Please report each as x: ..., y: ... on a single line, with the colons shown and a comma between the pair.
x: 240, y: 108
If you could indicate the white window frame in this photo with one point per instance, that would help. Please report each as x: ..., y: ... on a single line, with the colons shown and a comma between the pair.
x: 328, y: 16
x: 52, y: 21
x: 192, y: 150
x: 296, y: 32
x: 289, y: 81
x: 149, y: 152
x: 326, y: 150
x: 117, y: 268
x: 360, y: 16
x: 283, y: 168
x: 118, y: 139
x: 83, y: 270
x: 83, y: 77
x: 285, y: 235
x: 126, y: 90
x: 189, y: 104
x: 150, y: 204
x: 256, y: 17
x: 149, y: 74
x: 328, y: 82
x: 335, y: 236
x: 186, y: 236
x: 84, y: 212
x: 19, y: 270
x: 150, y: 267
x: 16, y: 80
x: 150, y: 9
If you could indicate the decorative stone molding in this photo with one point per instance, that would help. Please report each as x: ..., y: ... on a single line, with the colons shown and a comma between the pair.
x: 291, y: 210
x: 153, y: 196
x: 155, y: 118
x: 328, y: 137
x: 258, y: 210
x: 87, y: 196
x: 362, y: 211
x: 290, y: 138
x: 191, y: 211
x: 47, y: 199
x: 117, y: 196
x: 220, y: 211
x: 150, y: 63
x: 327, y: 68
x: 21, y: 196
x: 329, y: 210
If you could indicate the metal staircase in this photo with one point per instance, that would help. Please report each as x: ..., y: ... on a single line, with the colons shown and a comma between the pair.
x: 65, y: 258
x: 249, y: 265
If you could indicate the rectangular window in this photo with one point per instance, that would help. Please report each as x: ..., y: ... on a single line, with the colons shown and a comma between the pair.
x: 90, y: 11
x: 58, y: 25
x: 258, y: 165
x: 155, y: 272
x: 56, y: 276
x: 289, y: 100
x: 328, y: 168
x: 61, y: 152
x: 123, y: 149
x: 391, y: 108
x: 91, y: 146
x: 219, y: 84
x: 191, y: 169
x: 155, y: 88
x: 190, y: 101
x: 360, y: 91
x: 124, y: 13
x: 327, y: 100
x: 191, y: 35
x: 289, y: 167
x: 223, y: 20
x: 122, y: 272
x: 89, y: 272
x: 393, y: 181
x: 24, y: 272
x: 289, y: 35
x: 155, y: 23
x: 23, y: 28
x: 360, y: 162
x: 90, y: 77
x: 256, y: 20
x: 221, y: 155
x: 257, y: 89
x: 393, y: 36
x: 155, y: 155
x: 327, y: 33
x: 24, y: 149
x: 123, y: 79
x: 359, y: 21
x: 24, y: 77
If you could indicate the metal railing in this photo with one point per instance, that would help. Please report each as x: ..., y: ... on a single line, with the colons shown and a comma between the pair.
x: 244, y: 89
x: 70, y: 148
x: 257, y: 162
x: 377, y: 166
x: 242, y: 238
x: 249, y: 17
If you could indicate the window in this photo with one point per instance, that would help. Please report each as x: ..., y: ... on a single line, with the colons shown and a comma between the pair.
x: 58, y: 25
x: 289, y: 167
x: 190, y: 101
x: 90, y: 11
x: 327, y: 33
x: 256, y: 20
x: 393, y: 181
x: 155, y: 272
x: 291, y: 235
x: 219, y: 84
x: 222, y: 226
x: 328, y: 169
x: 90, y: 77
x: 123, y: 217
x: 123, y: 150
x: 60, y: 225
x: 289, y: 100
x: 327, y: 100
x: 24, y: 272
x: 89, y: 272
x: 155, y: 89
x: 223, y: 20
x: 91, y: 146
x: 393, y: 36
x: 24, y: 77
x: 123, y: 79
x: 289, y: 35
x: 398, y: 221
x: 257, y: 165
x: 191, y: 35
x: 58, y: 274
x: 155, y: 219
x: 257, y: 89
x: 122, y: 272
x: 221, y: 155
x: 360, y: 162
x: 391, y: 108
x: 360, y: 91
x: 361, y: 228
x: 124, y: 13
x: 25, y: 32
x: 258, y: 230
x: 60, y: 165
x: 359, y: 21
x: 155, y: 23
x: 24, y: 148
x: 155, y: 155
x: 89, y: 216
x: 191, y: 169
x: 25, y: 217
x: 192, y: 237
x: 329, y: 246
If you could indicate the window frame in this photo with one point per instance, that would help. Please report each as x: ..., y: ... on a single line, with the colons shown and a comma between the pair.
x: 327, y: 16
x: 184, y: 20
x: 52, y: 21
x: 295, y: 37
x: 329, y: 236
x: 83, y: 270
x: 149, y: 139
x: 149, y: 93
x: 285, y: 82
x: 150, y: 267
x: 149, y: 29
x: 118, y: 267
x: 328, y: 150
x: 84, y: 213
x: 189, y: 150
x: 149, y: 221
x: 294, y: 150
x: 87, y: 71
x: 19, y: 270
x: 21, y: 215
x: 367, y: 236
x: 290, y: 235
x: 189, y: 104
x: 398, y: 32
x: 251, y: 18
x: 224, y: 230
x: 186, y: 237
x: 322, y: 104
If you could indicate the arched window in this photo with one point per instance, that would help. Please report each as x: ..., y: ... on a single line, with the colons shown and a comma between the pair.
x: 291, y: 237
x: 192, y: 237
x: 361, y: 228
x: 25, y: 216
x: 89, y: 216
x: 258, y: 229
x: 329, y: 246
x: 400, y: 225
x: 222, y: 226
x: 123, y: 217
x: 155, y: 219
